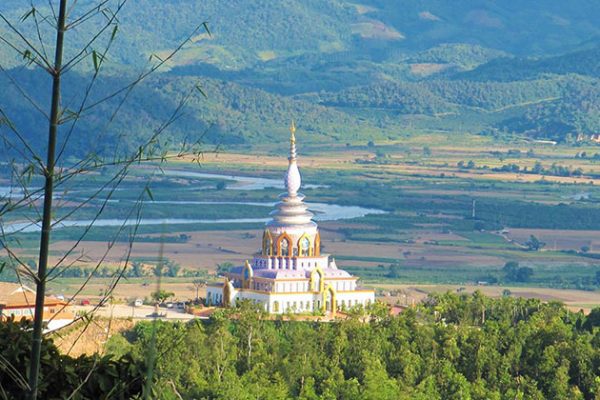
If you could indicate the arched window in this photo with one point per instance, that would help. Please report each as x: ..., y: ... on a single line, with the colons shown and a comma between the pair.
x: 285, y: 247
x: 304, y: 246
x: 276, y: 306
x: 316, y: 280
x: 267, y: 243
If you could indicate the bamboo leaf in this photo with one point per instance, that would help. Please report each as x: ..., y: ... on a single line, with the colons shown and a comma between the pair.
x: 114, y: 32
x: 205, y: 25
x: 28, y: 14
x: 95, y: 60
x: 149, y: 192
x: 198, y: 88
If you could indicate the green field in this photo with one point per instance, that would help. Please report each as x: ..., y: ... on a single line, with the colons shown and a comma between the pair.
x: 427, y: 234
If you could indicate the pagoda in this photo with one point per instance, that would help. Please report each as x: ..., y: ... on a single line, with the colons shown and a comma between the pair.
x: 289, y: 273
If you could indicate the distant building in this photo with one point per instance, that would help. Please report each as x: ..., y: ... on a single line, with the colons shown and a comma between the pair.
x: 290, y: 274
x: 18, y: 301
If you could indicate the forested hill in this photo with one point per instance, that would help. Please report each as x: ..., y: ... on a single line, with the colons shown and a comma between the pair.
x: 583, y: 62
x: 230, y: 114
x: 245, y: 33
x: 345, y: 70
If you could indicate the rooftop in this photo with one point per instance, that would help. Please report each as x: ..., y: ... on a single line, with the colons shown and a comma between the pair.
x: 291, y: 273
x: 18, y: 295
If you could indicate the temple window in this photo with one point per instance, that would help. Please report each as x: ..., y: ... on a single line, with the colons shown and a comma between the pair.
x: 275, y: 306
x: 285, y: 247
x: 267, y: 244
x: 316, y: 281
x: 304, y: 247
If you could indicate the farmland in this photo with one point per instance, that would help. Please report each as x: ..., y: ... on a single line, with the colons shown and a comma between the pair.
x: 447, y: 212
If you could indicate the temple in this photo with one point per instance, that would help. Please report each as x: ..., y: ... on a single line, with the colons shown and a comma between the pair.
x: 290, y: 274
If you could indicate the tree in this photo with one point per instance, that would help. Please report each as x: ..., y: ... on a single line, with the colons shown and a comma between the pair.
x: 161, y: 295
x: 225, y: 267
x: 198, y: 283
x: 395, y: 271
x: 534, y: 244
x: 137, y: 270
x: 91, y: 377
x: 221, y: 185
x: 172, y: 269
x: 510, y: 270
x: 62, y: 119
x: 514, y: 273
x: 524, y: 274
x: 597, y: 278
x: 377, y: 385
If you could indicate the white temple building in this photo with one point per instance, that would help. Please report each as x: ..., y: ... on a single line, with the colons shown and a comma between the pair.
x: 290, y: 274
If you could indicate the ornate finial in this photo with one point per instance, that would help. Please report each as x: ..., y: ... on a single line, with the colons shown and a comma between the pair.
x: 293, y: 131
x: 292, y: 177
x: 292, y: 141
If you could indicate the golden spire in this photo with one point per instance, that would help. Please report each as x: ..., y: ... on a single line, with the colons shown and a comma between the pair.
x: 292, y: 142
x: 293, y: 131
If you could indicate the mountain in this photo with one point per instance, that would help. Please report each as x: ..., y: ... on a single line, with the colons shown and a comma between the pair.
x: 583, y: 62
x: 346, y: 70
x: 230, y: 115
x: 244, y: 34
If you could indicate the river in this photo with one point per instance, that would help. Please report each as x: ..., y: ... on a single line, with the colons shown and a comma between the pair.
x: 323, y: 211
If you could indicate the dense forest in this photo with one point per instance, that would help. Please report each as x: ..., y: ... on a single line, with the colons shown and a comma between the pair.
x: 450, y: 347
x: 550, y: 107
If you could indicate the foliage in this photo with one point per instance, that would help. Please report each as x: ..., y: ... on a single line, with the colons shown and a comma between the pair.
x: 161, y: 295
x: 534, y: 244
x: 86, y: 377
x: 315, y: 62
x: 514, y: 273
x: 451, y: 347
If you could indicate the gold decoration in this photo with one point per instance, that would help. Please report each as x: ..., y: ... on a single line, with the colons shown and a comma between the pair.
x: 246, y: 282
x: 331, y: 291
x: 293, y: 131
x: 310, y: 246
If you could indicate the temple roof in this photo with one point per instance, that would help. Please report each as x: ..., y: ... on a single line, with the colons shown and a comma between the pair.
x: 291, y: 210
x: 291, y: 273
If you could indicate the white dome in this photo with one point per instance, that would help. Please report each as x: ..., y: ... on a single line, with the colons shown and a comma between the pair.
x: 292, y: 178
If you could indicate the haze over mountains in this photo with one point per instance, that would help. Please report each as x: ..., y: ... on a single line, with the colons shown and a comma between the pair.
x: 347, y: 71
